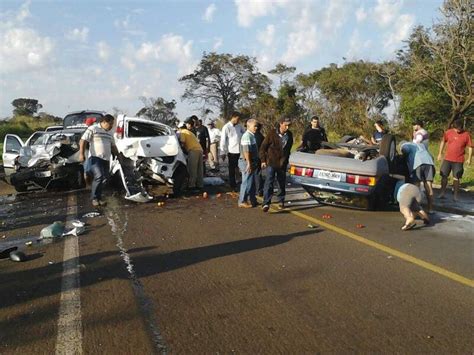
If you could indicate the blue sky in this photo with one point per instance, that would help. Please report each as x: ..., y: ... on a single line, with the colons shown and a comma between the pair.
x: 73, y: 55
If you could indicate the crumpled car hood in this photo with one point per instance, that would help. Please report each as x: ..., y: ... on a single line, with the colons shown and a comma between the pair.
x: 30, y: 156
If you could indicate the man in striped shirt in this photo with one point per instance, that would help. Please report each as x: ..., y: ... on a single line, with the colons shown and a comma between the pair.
x: 100, y: 141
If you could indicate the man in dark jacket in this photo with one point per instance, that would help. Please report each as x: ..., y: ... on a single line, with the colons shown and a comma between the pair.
x: 314, y: 136
x: 274, y: 155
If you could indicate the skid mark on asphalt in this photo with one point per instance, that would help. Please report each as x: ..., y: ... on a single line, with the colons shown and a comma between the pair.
x: 69, y: 339
x: 424, y: 264
x: 118, y: 226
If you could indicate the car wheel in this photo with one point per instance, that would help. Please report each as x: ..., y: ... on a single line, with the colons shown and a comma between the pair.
x: 179, y: 177
x: 20, y: 188
x: 388, y: 149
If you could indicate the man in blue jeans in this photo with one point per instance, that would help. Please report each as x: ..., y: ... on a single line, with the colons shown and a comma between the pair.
x: 248, y: 164
x: 100, y: 141
x: 274, y: 155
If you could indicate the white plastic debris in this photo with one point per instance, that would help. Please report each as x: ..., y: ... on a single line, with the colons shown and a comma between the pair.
x: 77, y: 223
x: 75, y: 231
x: 139, y: 197
x: 54, y: 230
x: 91, y: 215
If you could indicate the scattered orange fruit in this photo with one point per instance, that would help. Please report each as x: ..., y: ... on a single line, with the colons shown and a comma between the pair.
x: 204, y: 195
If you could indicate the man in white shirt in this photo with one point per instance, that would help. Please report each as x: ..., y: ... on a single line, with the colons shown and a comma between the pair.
x: 213, y: 156
x: 101, y: 144
x: 230, y: 146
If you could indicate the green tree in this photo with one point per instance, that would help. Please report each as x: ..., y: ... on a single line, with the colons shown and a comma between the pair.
x: 25, y: 107
x: 347, y: 97
x: 225, y: 81
x: 283, y: 72
x: 444, y: 57
x: 158, y: 109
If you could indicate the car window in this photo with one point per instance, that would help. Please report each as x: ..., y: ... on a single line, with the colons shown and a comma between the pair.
x: 79, y: 119
x: 13, y: 145
x: 35, y: 139
x: 142, y: 129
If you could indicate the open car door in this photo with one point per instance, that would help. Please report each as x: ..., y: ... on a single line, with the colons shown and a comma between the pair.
x: 11, y: 150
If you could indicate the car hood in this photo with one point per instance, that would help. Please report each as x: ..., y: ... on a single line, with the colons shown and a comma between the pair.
x: 32, y: 155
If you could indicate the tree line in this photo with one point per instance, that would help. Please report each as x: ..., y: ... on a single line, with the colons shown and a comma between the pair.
x: 430, y: 78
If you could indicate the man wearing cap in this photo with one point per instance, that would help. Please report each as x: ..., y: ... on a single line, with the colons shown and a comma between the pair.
x: 193, y: 149
x: 214, y: 136
x: 248, y: 163
x: 230, y: 145
x: 274, y: 155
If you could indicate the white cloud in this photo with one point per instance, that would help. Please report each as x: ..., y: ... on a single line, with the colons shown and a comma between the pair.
x: 24, y: 12
x: 358, y: 48
x: 217, y: 44
x: 24, y: 49
x: 267, y: 36
x: 334, y: 16
x: 170, y: 48
x: 209, y: 13
x: 386, y: 11
x: 77, y: 34
x: 361, y: 14
x: 125, y: 25
x: 103, y: 49
x: 248, y: 10
x: 128, y: 63
x: 303, y: 40
x: 401, y: 31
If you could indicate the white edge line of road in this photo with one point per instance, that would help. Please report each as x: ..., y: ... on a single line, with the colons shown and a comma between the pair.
x: 69, y: 339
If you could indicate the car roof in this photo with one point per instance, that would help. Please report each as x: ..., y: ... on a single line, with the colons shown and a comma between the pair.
x: 85, y: 111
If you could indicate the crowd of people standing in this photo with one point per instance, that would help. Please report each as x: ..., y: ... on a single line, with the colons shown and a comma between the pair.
x: 253, y: 156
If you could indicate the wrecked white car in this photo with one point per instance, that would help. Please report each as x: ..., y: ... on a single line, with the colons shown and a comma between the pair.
x: 149, y: 152
x: 49, y: 158
x: 52, y: 159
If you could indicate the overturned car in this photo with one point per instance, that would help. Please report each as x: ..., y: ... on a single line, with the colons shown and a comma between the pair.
x: 149, y: 152
x: 349, y: 173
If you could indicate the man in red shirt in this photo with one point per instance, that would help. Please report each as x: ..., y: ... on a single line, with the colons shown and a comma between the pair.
x: 457, y: 140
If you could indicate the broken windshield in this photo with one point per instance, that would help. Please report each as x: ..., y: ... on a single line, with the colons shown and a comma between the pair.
x: 143, y: 129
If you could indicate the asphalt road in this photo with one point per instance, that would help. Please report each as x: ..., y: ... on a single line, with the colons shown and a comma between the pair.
x: 203, y: 276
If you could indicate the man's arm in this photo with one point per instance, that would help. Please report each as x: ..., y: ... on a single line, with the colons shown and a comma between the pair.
x: 469, y: 156
x: 223, y: 143
x: 263, y: 151
x: 82, y: 150
x: 441, y: 147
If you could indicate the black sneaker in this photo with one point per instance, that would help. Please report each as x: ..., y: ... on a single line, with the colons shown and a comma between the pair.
x: 265, y: 208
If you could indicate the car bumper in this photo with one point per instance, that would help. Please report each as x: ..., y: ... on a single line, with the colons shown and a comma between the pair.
x: 42, y: 177
x: 332, y: 186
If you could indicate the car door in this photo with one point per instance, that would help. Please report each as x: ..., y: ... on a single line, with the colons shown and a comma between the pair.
x: 11, y: 149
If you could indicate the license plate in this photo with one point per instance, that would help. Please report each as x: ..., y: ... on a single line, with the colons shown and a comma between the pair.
x: 327, y: 175
x: 40, y: 174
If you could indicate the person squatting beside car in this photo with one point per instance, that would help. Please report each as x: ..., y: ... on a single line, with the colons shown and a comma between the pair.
x: 409, y: 198
x: 420, y: 167
x: 101, y: 146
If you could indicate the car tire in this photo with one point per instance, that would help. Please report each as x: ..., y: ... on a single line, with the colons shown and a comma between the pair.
x: 180, y: 176
x: 20, y: 188
x: 388, y: 149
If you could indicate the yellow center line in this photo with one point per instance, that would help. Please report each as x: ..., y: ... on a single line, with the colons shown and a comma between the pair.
x: 411, y: 259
